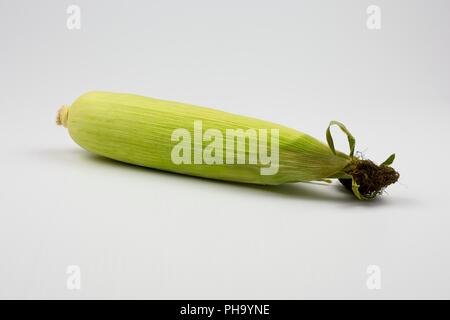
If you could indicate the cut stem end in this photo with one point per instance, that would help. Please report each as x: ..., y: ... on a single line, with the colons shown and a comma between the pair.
x: 63, y: 116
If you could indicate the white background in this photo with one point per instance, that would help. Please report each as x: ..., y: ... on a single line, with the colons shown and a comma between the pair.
x: 140, y: 233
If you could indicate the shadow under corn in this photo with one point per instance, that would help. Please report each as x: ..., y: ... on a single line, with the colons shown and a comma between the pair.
x: 311, y: 191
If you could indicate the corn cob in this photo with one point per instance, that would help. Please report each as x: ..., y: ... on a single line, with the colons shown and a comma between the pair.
x: 158, y: 134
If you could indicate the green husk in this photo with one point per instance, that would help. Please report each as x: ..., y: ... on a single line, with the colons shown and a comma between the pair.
x: 137, y: 130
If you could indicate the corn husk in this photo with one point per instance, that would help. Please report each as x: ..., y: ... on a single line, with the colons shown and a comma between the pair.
x: 139, y: 130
